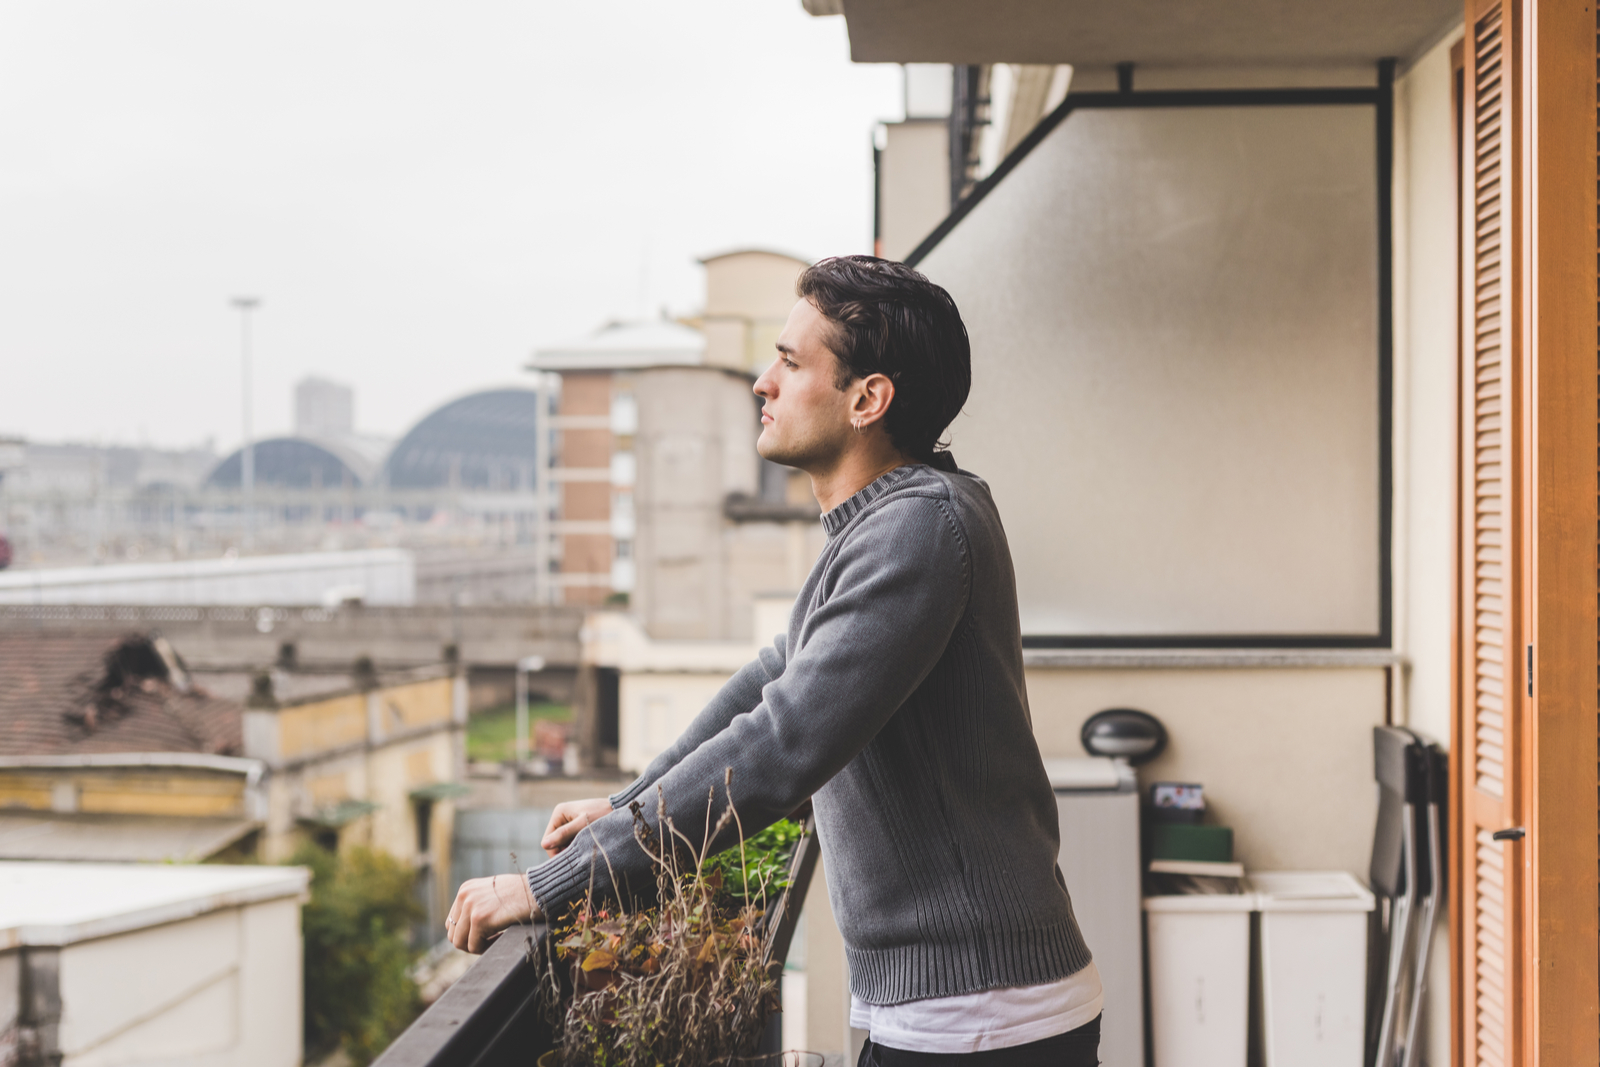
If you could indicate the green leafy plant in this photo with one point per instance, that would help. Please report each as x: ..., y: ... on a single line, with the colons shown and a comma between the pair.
x: 357, y: 991
x: 761, y: 865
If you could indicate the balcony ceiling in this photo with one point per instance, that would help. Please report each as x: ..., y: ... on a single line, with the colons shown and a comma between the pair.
x: 1097, y: 33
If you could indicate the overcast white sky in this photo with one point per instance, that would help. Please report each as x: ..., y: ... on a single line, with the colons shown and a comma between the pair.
x: 420, y: 193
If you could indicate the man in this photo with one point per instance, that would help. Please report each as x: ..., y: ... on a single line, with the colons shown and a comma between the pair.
x: 895, y: 701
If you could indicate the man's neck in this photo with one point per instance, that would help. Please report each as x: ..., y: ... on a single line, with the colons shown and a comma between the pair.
x: 854, y: 472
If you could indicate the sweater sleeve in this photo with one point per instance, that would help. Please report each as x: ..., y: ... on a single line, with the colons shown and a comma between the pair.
x: 891, y: 599
x: 738, y: 695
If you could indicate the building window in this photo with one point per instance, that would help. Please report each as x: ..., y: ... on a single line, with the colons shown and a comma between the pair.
x: 623, y: 524
x: 624, y: 469
x: 624, y: 414
x: 622, y: 568
x: 424, y: 812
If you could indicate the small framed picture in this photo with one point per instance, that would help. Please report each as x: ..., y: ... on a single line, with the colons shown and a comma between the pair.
x: 1189, y: 796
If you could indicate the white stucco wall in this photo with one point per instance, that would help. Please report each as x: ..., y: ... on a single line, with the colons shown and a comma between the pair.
x: 1285, y: 754
x: 1175, y: 381
x: 160, y: 964
x: 222, y: 988
x: 1425, y: 305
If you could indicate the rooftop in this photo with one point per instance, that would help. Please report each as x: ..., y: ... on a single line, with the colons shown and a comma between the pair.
x: 626, y: 345
x: 97, y: 694
x: 54, y: 904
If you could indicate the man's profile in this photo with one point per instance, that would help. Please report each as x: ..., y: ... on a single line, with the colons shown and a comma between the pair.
x: 895, y: 701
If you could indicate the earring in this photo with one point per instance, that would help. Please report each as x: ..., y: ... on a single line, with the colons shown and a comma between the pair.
x: 860, y: 429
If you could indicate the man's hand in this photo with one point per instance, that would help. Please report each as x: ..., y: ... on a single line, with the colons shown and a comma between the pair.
x: 485, y: 907
x: 568, y: 819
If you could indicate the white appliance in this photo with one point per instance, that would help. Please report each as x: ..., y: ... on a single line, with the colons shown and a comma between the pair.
x: 1098, y: 802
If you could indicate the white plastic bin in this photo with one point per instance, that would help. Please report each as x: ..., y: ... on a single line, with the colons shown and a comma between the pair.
x: 1313, y: 966
x: 1199, y: 977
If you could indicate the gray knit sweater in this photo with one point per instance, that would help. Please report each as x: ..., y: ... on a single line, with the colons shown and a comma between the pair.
x: 896, y: 702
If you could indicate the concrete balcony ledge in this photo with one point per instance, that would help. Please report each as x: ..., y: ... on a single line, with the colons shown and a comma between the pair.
x: 1211, y: 658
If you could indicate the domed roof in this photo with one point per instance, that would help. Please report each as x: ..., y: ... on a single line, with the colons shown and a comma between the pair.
x: 302, y: 462
x: 482, y: 441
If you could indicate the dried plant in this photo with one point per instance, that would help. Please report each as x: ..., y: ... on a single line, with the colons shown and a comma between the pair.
x: 685, y: 982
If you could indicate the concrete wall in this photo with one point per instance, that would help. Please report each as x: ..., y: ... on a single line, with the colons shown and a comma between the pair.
x: 213, y: 636
x: 152, y: 790
x: 1285, y: 754
x: 222, y: 988
x: 376, y: 746
x: 765, y: 560
x: 655, y: 708
x: 1173, y: 323
x: 695, y: 445
x: 1426, y: 333
x: 748, y: 297
x: 913, y: 184
x: 198, y: 982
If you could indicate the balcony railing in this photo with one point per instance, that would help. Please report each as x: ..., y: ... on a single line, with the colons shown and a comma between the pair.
x: 495, y: 1013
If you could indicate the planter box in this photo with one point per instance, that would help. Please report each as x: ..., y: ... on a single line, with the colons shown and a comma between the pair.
x: 495, y: 1014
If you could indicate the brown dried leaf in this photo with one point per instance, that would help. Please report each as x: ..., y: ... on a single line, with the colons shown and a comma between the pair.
x: 599, y: 958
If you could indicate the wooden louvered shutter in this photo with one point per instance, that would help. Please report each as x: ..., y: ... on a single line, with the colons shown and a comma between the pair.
x: 1490, y: 554
x: 1526, y: 911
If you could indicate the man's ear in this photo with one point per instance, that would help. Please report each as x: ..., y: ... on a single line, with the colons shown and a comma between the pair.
x: 874, y: 394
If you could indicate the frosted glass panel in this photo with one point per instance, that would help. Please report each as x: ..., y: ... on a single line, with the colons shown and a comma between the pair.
x: 1175, y: 373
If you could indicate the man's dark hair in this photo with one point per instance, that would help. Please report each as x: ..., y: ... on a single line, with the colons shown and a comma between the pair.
x: 888, y: 319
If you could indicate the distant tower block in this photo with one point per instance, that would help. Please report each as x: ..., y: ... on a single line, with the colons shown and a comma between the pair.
x: 323, y: 407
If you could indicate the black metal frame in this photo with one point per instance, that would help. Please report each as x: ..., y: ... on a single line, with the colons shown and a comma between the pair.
x: 1381, y: 98
x: 494, y: 1014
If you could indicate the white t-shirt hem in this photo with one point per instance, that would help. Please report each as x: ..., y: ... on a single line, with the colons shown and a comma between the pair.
x: 1014, y: 1016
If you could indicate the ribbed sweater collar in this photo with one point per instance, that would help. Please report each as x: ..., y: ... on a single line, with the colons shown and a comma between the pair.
x: 836, y: 520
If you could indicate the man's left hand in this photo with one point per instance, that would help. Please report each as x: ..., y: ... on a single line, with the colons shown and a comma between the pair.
x: 485, y: 907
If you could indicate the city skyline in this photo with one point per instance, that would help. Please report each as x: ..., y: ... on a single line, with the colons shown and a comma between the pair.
x: 420, y: 196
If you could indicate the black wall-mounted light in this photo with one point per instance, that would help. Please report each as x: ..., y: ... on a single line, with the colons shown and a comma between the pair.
x: 1127, y: 733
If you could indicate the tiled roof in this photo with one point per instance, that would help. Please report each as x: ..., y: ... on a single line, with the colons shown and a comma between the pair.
x: 61, y: 694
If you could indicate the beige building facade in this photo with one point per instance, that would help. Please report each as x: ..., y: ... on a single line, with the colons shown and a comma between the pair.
x: 362, y: 758
x: 665, y: 506
x: 667, y: 511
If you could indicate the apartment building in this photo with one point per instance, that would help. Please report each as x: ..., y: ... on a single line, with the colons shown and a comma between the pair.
x: 665, y: 506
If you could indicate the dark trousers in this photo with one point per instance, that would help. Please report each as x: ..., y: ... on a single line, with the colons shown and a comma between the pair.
x: 1080, y: 1046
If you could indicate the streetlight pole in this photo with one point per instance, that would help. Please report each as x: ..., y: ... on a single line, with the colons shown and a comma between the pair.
x: 541, y: 488
x: 247, y: 466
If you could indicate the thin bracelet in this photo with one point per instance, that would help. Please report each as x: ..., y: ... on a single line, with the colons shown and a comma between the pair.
x: 494, y: 884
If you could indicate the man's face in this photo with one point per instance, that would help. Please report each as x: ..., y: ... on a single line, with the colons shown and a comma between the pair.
x: 805, y: 421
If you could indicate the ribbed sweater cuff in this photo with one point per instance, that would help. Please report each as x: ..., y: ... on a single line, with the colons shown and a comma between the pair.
x: 561, y: 880
x: 633, y: 790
